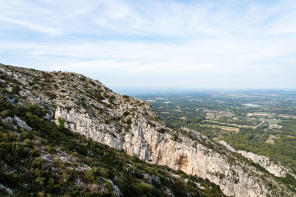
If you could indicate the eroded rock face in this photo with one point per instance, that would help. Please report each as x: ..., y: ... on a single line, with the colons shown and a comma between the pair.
x: 129, y: 124
x: 271, y: 167
x: 194, y: 158
x: 263, y: 161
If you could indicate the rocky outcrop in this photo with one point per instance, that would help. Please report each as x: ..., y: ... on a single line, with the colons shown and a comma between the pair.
x: 271, y: 167
x: 263, y: 161
x: 18, y: 123
x: 129, y: 124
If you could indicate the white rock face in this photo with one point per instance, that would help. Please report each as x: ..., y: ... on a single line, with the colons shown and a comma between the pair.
x: 263, y: 161
x: 18, y: 122
x: 152, y: 146
x: 227, y: 145
x: 275, y: 169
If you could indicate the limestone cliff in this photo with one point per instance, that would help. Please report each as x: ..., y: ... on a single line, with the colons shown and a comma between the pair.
x: 273, y: 168
x: 129, y: 124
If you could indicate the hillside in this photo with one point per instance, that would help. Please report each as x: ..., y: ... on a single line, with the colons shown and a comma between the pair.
x: 34, y: 99
x: 45, y: 158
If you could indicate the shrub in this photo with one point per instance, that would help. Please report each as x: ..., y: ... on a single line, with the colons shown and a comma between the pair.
x: 51, y: 95
x: 94, y: 175
x: 36, y: 152
x: 106, y: 95
x: 175, y: 137
x: 7, y: 113
x: 162, y: 130
x: 126, y: 113
x: 135, y: 157
x: 28, y: 143
x: 15, y: 90
x: 50, y: 149
x: 109, y: 186
x: 111, y: 98
x: 36, y: 110
x: 12, y: 152
x: 99, y: 97
x: 27, y: 135
x: 61, y: 122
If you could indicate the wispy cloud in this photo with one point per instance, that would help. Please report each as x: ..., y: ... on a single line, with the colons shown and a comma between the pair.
x: 32, y: 26
x: 156, y: 43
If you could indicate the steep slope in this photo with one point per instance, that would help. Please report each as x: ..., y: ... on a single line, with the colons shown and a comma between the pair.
x: 273, y: 168
x: 44, y: 159
x: 129, y: 124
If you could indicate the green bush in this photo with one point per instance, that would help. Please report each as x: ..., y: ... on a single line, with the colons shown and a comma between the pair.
x: 15, y: 90
x: 94, y: 175
x: 7, y: 113
x: 61, y: 122
x: 175, y: 137
x: 162, y: 130
x: 128, y: 121
x: 109, y: 186
x: 12, y: 152
x: 36, y: 152
x: 126, y: 113
x: 51, y: 95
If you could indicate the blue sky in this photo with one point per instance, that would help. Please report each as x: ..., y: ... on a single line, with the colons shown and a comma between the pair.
x: 182, y: 44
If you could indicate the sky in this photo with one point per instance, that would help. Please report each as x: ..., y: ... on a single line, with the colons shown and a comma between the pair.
x: 198, y: 44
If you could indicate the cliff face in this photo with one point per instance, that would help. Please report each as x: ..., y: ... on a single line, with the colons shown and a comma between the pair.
x: 186, y: 154
x: 131, y: 125
x: 275, y: 169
